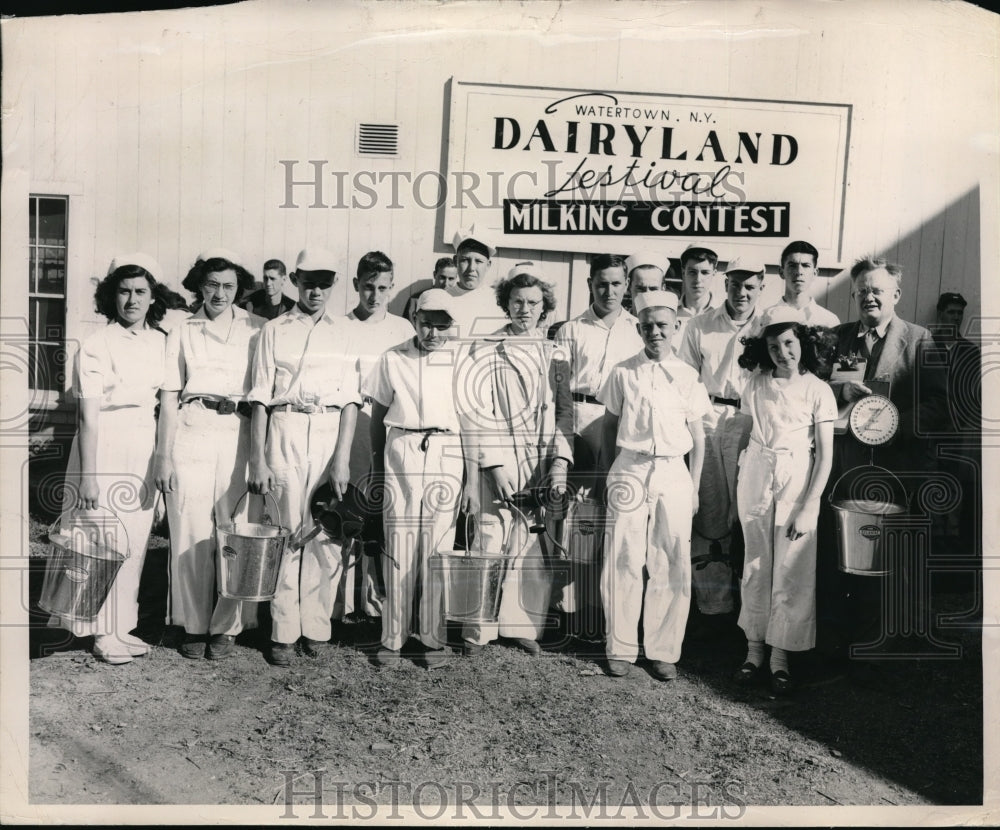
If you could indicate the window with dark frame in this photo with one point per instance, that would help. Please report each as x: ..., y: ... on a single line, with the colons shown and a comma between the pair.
x: 48, y: 221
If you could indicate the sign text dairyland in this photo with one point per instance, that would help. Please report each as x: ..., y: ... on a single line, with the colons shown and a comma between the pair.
x: 598, y: 164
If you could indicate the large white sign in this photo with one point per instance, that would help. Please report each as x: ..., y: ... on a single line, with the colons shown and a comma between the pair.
x: 568, y: 169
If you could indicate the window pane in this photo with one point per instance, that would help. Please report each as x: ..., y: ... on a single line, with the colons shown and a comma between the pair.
x: 51, y: 221
x: 47, y: 366
x: 51, y: 271
x: 32, y: 219
x: 32, y: 259
x: 51, y: 317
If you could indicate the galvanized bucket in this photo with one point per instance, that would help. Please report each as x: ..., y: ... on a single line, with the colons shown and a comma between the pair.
x: 82, y: 565
x: 584, y: 531
x: 248, y: 555
x: 472, y: 580
x: 861, y: 526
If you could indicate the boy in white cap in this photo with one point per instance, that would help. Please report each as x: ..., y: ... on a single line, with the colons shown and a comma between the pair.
x: 474, y: 301
x: 712, y: 347
x: 698, y: 264
x: 593, y: 343
x: 417, y: 453
x: 305, y: 396
x: 380, y: 332
x: 655, y: 405
x: 799, y: 261
x: 646, y: 272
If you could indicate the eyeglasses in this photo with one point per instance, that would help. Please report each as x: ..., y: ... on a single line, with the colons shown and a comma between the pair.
x: 228, y: 287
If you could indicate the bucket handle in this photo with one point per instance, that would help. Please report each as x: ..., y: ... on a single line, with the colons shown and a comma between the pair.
x: 265, y: 519
x: 508, y: 536
x: 57, y: 524
x: 833, y: 490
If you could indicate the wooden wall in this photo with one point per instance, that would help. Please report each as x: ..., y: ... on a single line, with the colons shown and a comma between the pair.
x: 167, y: 128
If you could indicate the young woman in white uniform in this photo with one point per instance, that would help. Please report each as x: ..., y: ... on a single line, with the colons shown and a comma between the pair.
x: 203, y: 448
x: 116, y: 379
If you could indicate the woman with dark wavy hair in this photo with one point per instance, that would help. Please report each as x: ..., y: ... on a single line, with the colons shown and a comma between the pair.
x: 203, y: 447
x: 117, y: 377
x: 519, y: 417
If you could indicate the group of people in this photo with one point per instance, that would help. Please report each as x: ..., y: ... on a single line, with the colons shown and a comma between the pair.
x: 689, y: 419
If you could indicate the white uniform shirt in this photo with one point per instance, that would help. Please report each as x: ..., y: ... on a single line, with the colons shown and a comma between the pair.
x: 303, y: 364
x: 655, y: 401
x: 122, y: 367
x: 173, y: 318
x: 594, y: 347
x: 476, y: 312
x: 712, y: 346
x: 785, y: 412
x: 685, y: 315
x: 417, y: 388
x: 378, y: 337
x: 815, y: 314
x: 212, y: 358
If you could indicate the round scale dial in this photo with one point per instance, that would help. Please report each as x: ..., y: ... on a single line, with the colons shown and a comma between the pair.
x: 874, y: 420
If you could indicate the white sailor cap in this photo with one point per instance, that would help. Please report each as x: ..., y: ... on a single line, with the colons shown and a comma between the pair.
x: 436, y: 299
x: 463, y: 235
x: 219, y: 253
x: 316, y: 259
x: 655, y: 299
x: 778, y: 314
x: 142, y: 260
x: 653, y: 258
x: 525, y: 267
x: 750, y: 266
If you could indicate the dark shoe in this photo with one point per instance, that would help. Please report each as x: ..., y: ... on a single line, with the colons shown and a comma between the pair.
x: 619, y: 668
x: 663, y: 670
x: 281, y: 654
x: 781, y: 683
x: 747, y: 674
x: 437, y: 658
x: 193, y: 646
x: 471, y: 649
x: 530, y: 646
x: 387, y: 658
x: 221, y: 646
x: 314, y: 648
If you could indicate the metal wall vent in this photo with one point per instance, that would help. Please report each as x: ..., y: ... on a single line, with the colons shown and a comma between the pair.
x: 378, y: 140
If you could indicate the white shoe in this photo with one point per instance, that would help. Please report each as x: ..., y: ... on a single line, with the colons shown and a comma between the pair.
x: 111, y: 650
x: 136, y: 647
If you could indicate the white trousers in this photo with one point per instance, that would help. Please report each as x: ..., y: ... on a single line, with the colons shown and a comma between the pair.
x: 422, y: 490
x: 779, y: 575
x: 209, y: 455
x: 527, y: 584
x: 717, y: 508
x: 126, y: 438
x: 299, y: 451
x: 650, y: 516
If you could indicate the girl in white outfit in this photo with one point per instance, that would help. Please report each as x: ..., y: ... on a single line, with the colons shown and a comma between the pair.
x: 782, y: 474
x: 518, y: 415
x: 117, y: 376
x: 203, y: 448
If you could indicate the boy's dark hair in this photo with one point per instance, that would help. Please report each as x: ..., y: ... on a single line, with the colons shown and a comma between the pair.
x: 372, y: 264
x: 799, y: 246
x: 819, y: 345
x: 443, y: 262
x: 275, y: 265
x: 699, y: 255
x: 203, y: 267
x: 107, y: 290
x: 603, y: 261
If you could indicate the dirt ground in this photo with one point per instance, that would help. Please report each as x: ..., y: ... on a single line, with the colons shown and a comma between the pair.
x: 505, y: 728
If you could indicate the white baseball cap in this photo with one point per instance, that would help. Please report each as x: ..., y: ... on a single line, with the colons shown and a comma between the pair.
x: 436, y: 299
x: 316, y: 259
x: 463, y: 235
x: 655, y: 299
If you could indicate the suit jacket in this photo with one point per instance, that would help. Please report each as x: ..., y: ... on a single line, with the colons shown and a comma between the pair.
x: 917, y: 389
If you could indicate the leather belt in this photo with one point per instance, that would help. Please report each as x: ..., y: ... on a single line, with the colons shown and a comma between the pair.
x: 312, y: 409
x: 223, y: 407
x: 725, y: 401
x: 427, y: 433
x: 579, y: 398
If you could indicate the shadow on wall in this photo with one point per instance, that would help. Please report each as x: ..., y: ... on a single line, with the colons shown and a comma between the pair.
x: 941, y: 254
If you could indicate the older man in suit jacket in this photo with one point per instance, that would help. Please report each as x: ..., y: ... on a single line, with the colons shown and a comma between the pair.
x: 896, y: 352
